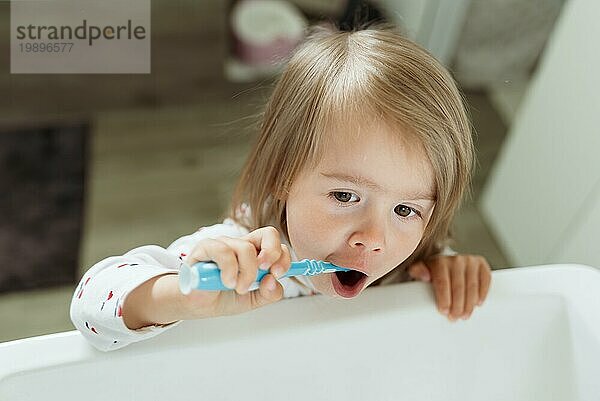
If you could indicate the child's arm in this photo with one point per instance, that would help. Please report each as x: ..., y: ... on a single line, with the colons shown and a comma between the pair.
x: 460, y: 282
x: 97, y: 303
x: 98, y: 307
x: 129, y: 298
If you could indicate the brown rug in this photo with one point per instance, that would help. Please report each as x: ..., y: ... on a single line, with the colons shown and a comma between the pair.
x: 42, y: 175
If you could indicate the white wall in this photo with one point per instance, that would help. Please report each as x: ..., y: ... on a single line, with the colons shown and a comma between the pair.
x: 435, y: 24
x: 542, y: 200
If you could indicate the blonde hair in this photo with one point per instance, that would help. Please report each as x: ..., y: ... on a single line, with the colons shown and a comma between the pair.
x: 352, y: 77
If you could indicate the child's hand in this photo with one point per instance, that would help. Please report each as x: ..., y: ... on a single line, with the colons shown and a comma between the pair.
x: 460, y: 282
x: 239, y: 260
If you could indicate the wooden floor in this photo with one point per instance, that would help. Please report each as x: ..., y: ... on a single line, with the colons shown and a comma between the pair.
x: 156, y: 176
x: 167, y: 147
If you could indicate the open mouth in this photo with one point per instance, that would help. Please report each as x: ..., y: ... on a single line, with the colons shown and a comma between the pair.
x: 348, y: 284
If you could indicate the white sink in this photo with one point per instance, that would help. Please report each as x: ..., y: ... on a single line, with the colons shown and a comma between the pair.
x: 537, y: 337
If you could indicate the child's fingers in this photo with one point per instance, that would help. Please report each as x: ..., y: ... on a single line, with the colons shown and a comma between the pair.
x: 282, y: 265
x: 472, y: 290
x: 269, y: 291
x: 441, y: 287
x: 244, y: 269
x: 247, y: 263
x: 223, y: 255
x: 485, y: 279
x: 231, y: 302
x: 457, y: 276
x: 273, y: 254
x: 268, y: 241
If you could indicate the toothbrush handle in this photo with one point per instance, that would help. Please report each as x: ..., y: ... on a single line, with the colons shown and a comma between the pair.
x: 207, y: 275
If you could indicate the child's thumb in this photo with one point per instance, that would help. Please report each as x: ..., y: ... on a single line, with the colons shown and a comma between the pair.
x: 269, y: 291
x: 419, y: 271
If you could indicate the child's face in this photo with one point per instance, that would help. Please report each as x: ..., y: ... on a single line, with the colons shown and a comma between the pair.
x: 356, y: 225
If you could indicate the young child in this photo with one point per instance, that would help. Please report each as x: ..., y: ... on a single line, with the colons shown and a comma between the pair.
x: 363, y: 156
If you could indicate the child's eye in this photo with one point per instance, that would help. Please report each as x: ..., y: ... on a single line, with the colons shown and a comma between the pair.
x: 406, y: 211
x: 342, y: 197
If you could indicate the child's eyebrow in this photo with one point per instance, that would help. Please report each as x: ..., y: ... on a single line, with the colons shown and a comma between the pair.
x: 367, y: 183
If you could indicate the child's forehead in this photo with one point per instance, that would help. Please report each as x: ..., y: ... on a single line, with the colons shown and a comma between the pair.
x: 376, y: 147
x: 353, y: 137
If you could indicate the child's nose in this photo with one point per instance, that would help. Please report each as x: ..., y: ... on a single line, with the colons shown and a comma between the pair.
x: 371, y: 238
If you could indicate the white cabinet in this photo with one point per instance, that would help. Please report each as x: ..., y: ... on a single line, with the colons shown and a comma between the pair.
x: 542, y: 199
x: 434, y: 24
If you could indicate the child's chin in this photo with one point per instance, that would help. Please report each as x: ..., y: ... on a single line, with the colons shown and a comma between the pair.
x: 323, y: 284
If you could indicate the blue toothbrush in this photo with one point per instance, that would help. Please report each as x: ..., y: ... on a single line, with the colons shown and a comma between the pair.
x: 207, y: 275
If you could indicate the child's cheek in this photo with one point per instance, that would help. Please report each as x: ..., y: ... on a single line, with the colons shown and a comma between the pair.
x: 310, y: 232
